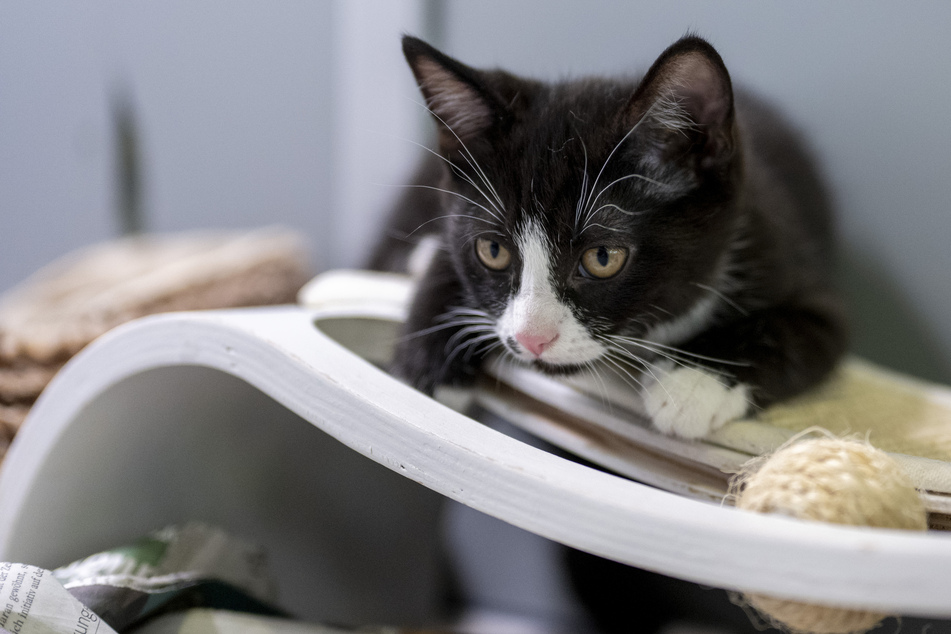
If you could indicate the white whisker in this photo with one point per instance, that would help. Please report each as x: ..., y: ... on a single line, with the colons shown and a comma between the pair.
x: 423, y: 224
x: 465, y: 332
x: 451, y: 355
x: 458, y: 195
x: 604, y: 165
x: 438, y: 327
x: 492, y: 344
x: 624, y: 178
x: 659, y: 348
x: 589, y: 203
x: 455, y: 168
x: 598, y: 224
x: 470, y: 159
x: 622, y: 371
x: 613, y: 206
x: 623, y: 354
x: 602, y: 388
x: 584, y: 185
x: 722, y: 296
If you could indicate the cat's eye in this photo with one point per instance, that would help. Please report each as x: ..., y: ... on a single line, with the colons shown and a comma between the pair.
x: 492, y: 254
x: 602, y: 262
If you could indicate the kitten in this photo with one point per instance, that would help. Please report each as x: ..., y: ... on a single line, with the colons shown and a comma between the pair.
x: 665, y: 230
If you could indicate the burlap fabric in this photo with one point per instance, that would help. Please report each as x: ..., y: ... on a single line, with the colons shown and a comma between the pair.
x: 60, y: 309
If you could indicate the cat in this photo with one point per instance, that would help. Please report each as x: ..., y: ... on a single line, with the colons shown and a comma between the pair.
x: 668, y: 230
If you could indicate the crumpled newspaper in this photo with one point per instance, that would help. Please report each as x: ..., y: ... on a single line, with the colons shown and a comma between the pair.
x: 193, y: 579
x: 173, y: 568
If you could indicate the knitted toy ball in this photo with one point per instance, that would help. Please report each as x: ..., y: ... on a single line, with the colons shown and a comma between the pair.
x: 829, y: 480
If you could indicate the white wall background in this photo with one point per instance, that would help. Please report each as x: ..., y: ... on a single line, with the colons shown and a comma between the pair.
x: 253, y: 112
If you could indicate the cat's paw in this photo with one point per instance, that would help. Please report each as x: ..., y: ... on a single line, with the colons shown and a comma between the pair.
x: 691, y: 403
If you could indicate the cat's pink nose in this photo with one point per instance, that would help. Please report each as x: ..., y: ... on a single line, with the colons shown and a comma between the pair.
x: 536, y: 343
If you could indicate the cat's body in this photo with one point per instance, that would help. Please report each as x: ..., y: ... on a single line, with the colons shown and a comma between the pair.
x: 659, y: 230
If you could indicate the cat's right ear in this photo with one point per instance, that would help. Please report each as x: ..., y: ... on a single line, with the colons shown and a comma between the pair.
x: 455, y: 94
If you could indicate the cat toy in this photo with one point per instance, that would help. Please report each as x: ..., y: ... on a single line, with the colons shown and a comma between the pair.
x: 835, y: 480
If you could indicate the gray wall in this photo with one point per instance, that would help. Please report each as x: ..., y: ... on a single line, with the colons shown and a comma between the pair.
x: 248, y: 112
x: 227, y: 97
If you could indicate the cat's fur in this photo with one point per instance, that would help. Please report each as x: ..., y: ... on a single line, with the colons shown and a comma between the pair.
x: 723, y: 300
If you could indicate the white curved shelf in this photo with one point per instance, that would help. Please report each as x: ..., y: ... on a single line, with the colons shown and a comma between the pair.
x: 279, y: 352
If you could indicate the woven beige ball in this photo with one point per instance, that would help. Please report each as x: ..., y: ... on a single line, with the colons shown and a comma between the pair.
x: 829, y: 480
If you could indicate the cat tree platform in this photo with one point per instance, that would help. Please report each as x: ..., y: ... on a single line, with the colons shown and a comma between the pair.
x: 275, y: 424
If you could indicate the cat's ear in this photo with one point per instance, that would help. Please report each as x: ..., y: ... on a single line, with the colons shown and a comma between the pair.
x: 686, y: 98
x: 455, y: 94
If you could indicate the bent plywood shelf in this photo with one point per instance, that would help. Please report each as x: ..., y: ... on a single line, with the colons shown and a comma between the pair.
x: 50, y: 508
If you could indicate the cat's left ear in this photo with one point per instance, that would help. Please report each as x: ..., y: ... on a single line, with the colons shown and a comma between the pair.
x: 686, y: 98
x: 456, y: 95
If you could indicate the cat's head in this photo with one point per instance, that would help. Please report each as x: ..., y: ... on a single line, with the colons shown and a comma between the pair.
x: 583, y: 212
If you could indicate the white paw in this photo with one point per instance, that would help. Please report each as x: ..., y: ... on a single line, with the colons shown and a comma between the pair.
x: 691, y: 403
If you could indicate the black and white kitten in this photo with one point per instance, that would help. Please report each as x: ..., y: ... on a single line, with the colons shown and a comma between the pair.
x: 665, y: 230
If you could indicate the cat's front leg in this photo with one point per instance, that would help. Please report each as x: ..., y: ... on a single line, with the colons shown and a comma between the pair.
x: 431, y: 350
x: 728, y: 371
